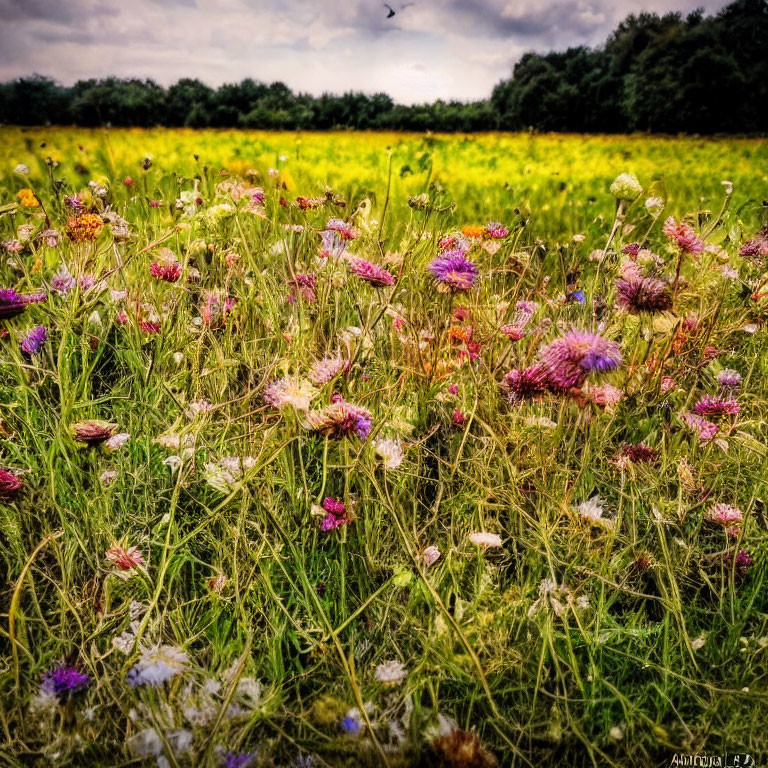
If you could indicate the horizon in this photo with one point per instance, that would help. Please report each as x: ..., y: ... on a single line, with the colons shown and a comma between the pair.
x: 427, y: 51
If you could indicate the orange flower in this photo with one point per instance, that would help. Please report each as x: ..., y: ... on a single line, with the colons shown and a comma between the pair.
x: 27, y: 198
x: 473, y: 230
x: 85, y: 227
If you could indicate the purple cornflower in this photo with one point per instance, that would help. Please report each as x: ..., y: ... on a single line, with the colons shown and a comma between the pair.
x: 63, y: 681
x: 32, y: 342
x: 351, y: 725
x: 643, y: 294
x: 712, y: 405
x: 495, y: 230
x: 372, y: 273
x: 568, y: 360
x: 12, y: 303
x: 238, y: 759
x: 453, y: 270
x: 63, y: 282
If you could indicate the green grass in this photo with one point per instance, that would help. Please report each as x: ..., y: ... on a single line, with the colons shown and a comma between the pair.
x: 651, y: 642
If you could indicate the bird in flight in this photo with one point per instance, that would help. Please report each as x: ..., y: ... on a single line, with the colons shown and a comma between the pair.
x: 392, y: 11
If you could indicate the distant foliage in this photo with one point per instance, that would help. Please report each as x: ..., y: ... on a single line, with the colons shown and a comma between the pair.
x: 669, y: 74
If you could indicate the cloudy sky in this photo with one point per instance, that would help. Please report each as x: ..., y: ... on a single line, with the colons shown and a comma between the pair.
x: 450, y: 49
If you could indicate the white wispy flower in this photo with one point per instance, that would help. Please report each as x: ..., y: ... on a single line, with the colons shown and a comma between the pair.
x: 429, y: 556
x: 391, y: 450
x: 117, y: 441
x: 157, y: 664
x: 391, y: 672
x: 593, y: 511
x: 485, y: 539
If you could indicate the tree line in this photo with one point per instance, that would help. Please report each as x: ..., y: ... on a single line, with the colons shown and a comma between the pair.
x: 663, y: 73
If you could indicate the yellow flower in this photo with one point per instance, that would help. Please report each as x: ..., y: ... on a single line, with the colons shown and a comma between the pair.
x: 27, y: 198
x: 87, y: 226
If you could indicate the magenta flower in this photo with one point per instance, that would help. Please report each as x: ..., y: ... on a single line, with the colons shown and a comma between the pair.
x: 341, y: 419
x: 643, y: 294
x: 683, y: 235
x: 10, y: 485
x: 522, y: 383
x: 336, y: 514
x: 12, y: 303
x: 743, y: 562
x: 729, y: 379
x: 712, y: 405
x: 453, y: 270
x: 32, y: 342
x: 215, y: 308
x: 168, y: 271
x: 631, y: 249
x: 725, y: 515
x: 706, y: 430
x: 303, y: 284
x: 63, y: 681
x: 372, y: 273
x: 495, y: 231
x: 568, y: 360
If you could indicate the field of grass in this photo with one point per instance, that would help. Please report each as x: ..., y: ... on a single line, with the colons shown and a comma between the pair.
x: 313, y: 464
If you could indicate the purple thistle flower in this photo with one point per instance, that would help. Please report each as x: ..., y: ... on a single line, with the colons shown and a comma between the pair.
x: 372, y: 273
x: 568, y: 360
x: 454, y: 270
x: 712, y: 405
x: 341, y: 419
x: 12, y: 303
x: 64, y: 680
x: 643, y: 294
x: 32, y: 342
x: 743, y: 562
x: 756, y: 249
x: 520, y: 383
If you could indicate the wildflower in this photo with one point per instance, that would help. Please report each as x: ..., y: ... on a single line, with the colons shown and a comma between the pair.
x: 643, y: 294
x: 13, y: 245
x: 392, y: 672
x: 454, y: 243
x: 712, y: 405
x: 743, y: 562
x: 654, y: 204
x: 472, y: 231
x: 124, y: 559
x: 345, y: 230
x: 12, y: 303
x: 626, y: 187
x: 238, y: 759
x: 639, y: 453
x: 667, y: 384
x: 166, y: 268
x: 341, y: 419
x: 215, y: 308
x: 568, y: 360
x: 93, y: 432
x: 495, y: 230
x: 21, y: 170
x: 27, y: 198
x: 706, y: 430
x: 325, y: 370
x: 64, y: 681
x: 725, y: 515
x: 74, y: 203
x: 332, y: 244
x: 10, y: 484
x: 457, y: 748
x: 605, y: 396
x: 305, y: 284
x: 335, y: 514
x: 593, y: 511
x: 292, y: 391
x: 683, y: 236
x: 429, y: 556
x: 391, y: 450
x: 352, y: 723
x: 729, y: 379
x: 454, y: 271
x: 756, y: 249
x: 157, y: 664
x: 372, y: 273
x: 50, y: 237
x: 108, y: 476
x: 84, y: 227
x: 458, y: 418
x: 521, y: 383
x: 32, y: 341
x: 484, y: 539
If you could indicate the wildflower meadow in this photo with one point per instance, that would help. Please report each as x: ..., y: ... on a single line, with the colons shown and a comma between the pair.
x: 357, y: 449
